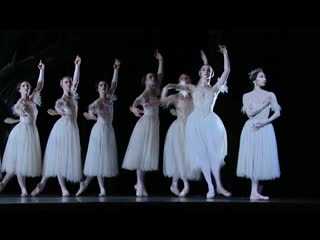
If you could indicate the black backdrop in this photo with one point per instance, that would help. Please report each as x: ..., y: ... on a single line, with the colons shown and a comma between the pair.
x: 288, y: 57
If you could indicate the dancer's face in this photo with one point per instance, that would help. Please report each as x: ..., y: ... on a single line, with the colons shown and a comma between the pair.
x: 103, y: 87
x: 205, y: 72
x: 184, y: 79
x: 66, y: 84
x: 261, y: 79
x: 25, y: 88
x: 151, y: 80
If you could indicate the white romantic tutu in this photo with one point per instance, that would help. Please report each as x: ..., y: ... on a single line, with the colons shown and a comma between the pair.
x: 101, y: 159
x: 206, y: 141
x: 62, y: 155
x: 22, y: 154
x: 174, y: 156
x: 143, y: 148
x: 258, y: 154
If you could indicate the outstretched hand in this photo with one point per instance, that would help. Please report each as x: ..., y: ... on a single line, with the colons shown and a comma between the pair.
x: 41, y: 65
x: 116, y: 64
x: 158, y: 55
x: 77, y: 61
x: 223, y: 49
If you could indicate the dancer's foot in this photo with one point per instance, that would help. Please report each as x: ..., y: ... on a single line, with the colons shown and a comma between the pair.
x: 82, y: 188
x: 223, y: 192
x: 38, y: 189
x: 210, y: 193
x: 141, y: 190
x: 174, y: 189
x: 184, y: 192
x: 102, y: 193
x: 257, y: 196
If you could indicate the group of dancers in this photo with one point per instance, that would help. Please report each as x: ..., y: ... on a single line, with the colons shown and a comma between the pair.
x: 195, y: 144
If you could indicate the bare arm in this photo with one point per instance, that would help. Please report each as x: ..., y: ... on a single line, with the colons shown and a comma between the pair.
x: 59, y: 108
x: 76, y: 75
x: 187, y: 87
x: 134, y: 108
x: 114, y: 82
x: 204, y: 58
x: 160, y: 68
x: 19, y: 110
x: 250, y: 110
x: 40, y: 82
x: 275, y: 108
x: 166, y: 100
x: 226, y: 69
x: 90, y: 115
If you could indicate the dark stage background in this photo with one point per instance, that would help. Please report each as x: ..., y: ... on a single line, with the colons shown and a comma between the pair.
x: 288, y: 56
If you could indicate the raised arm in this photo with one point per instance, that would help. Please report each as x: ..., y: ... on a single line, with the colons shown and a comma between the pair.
x: 76, y: 75
x: 160, y: 68
x: 226, y: 68
x: 204, y: 58
x: 114, y: 82
x: 40, y: 82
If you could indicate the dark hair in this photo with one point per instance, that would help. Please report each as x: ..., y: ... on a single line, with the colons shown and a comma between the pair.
x: 144, y: 78
x: 211, y: 69
x: 97, y: 84
x: 185, y: 75
x: 63, y: 78
x: 254, y: 73
x: 19, y: 84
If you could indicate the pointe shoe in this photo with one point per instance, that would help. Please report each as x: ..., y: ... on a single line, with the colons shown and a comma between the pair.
x: 263, y: 197
x: 174, y: 189
x: 81, y: 189
x: 254, y: 196
x: 24, y: 194
x: 144, y: 192
x: 210, y: 194
x: 223, y: 192
x: 102, y: 193
x: 184, y: 192
x: 139, y: 190
x: 65, y: 194
x: 257, y: 196
x: 38, y: 189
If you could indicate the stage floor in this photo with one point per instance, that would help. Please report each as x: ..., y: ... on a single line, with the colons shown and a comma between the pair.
x: 195, y: 200
x: 133, y: 211
x: 160, y: 204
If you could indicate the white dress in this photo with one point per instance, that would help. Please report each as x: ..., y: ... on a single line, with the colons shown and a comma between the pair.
x: 22, y: 154
x: 143, y: 148
x: 206, y: 137
x: 101, y: 159
x: 174, y: 160
x: 258, y: 154
x: 62, y: 156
